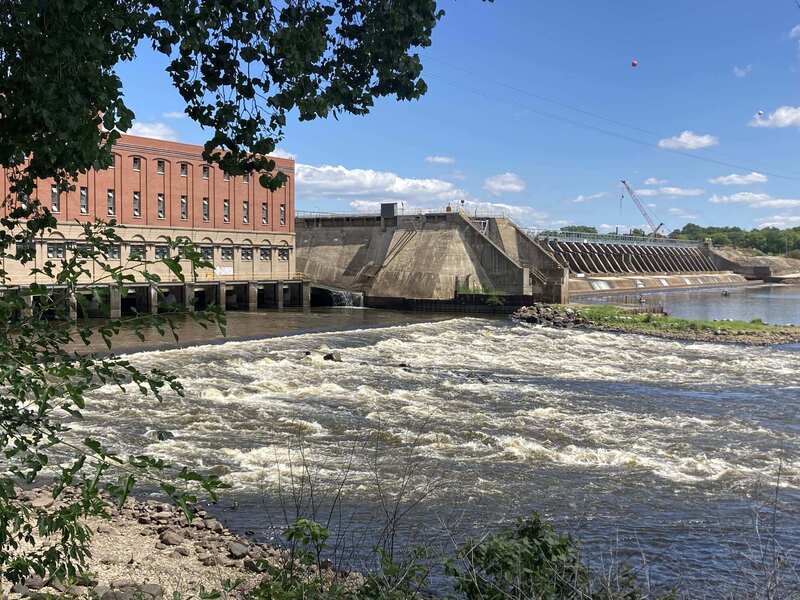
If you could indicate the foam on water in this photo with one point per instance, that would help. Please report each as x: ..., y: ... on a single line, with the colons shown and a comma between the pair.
x: 475, y: 392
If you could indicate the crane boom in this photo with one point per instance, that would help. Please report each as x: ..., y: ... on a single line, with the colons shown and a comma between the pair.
x: 653, y: 227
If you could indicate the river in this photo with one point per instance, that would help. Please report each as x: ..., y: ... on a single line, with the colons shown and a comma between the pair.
x: 647, y: 447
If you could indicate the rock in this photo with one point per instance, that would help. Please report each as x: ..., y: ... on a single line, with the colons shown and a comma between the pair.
x: 238, y: 550
x: 209, y: 561
x: 151, y: 590
x: 160, y: 546
x: 144, y: 520
x: 100, y: 589
x: 214, y: 525
x: 105, y: 529
x: 123, y: 594
x: 44, y: 500
x: 34, y: 582
x: 162, y: 516
x: 182, y: 551
x: 19, y: 588
x: 123, y: 583
x: 334, y: 356
x: 78, y: 591
x: 171, y: 538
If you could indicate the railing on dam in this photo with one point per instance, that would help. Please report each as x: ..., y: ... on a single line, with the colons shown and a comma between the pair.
x: 611, y: 238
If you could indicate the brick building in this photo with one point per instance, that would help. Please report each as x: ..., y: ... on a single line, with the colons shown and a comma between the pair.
x: 159, y: 189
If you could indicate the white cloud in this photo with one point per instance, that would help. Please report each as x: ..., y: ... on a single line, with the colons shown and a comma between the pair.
x: 785, y: 116
x: 174, y: 114
x: 160, y: 131
x: 440, y: 160
x: 505, y: 183
x: 755, y: 200
x: 688, y: 140
x: 780, y: 221
x: 670, y: 191
x: 795, y: 32
x: 582, y: 198
x: 734, y: 179
x: 281, y: 153
x: 332, y: 181
x: 654, y: 181
x: 742, y: 71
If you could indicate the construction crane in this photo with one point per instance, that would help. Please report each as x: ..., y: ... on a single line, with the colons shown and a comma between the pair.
x: 653, y: 227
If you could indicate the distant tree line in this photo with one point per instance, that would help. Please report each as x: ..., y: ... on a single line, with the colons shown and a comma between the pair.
x: 769, y: 240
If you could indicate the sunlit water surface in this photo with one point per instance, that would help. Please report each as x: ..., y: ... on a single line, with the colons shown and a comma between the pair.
x: 654, y: 448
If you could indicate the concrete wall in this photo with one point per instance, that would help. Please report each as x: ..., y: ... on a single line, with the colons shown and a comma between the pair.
x: 417, y: 256
x: 754, y: 267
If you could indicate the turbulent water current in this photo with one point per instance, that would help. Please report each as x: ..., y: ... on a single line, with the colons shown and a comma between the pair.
x: 650, y: 448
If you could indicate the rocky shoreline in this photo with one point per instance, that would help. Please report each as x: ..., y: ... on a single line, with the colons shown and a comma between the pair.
x: 148, y: 550
x: 566, y: 317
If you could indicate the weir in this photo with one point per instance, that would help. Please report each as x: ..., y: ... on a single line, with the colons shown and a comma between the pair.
x: 446, y: 256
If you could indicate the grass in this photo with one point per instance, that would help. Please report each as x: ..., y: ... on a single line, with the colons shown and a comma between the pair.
x: 615, y: 316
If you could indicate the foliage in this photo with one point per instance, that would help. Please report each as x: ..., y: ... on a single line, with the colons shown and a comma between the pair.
x: 626, y: 319
x: 769, y: 240
x: 241, y: 68
x: 579, y: 229
x: 532, y: 561
x: 43, y: 387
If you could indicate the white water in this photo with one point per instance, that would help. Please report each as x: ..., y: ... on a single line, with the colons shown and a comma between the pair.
x: 657, y: 435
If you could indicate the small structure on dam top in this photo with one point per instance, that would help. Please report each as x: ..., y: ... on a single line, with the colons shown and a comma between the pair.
x: 399, y: 260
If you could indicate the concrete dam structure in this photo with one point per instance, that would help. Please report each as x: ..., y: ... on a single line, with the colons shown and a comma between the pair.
x: 439, y: 256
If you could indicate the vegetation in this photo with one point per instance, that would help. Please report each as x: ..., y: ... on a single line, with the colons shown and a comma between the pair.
x: 769, y: 240
x: 241, y: 68
x: 615, y: 316
x: 529, y: 561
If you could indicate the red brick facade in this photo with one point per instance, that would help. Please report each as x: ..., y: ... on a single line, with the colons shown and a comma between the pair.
x: 185, y: 183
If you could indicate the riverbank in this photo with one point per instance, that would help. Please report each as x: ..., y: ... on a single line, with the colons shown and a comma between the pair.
x: 617, y: 319
x: 148, y: 550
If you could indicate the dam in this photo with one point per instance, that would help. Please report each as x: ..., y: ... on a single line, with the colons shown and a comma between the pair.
x: 391, y: 258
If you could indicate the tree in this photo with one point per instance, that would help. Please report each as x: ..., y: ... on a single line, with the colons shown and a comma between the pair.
x: 580, y: 228
x: 241, y: 66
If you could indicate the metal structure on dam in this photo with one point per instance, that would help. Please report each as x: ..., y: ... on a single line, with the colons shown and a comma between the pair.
x: 438, y: 256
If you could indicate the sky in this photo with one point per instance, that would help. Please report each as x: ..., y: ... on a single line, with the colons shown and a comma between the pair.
x: 535, y: 111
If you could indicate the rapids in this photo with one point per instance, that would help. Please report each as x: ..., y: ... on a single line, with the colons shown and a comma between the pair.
x: 656, y: 448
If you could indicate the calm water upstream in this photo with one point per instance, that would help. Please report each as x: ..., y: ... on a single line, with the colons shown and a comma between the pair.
x: 652, y: 447
x: 778, y: 304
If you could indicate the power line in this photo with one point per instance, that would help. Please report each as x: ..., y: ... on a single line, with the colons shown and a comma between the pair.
x: 608, y: 132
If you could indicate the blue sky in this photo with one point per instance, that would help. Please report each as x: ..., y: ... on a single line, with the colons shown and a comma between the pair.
x: 534, y: 110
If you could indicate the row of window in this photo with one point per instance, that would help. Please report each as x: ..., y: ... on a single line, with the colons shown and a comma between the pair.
x: 184, y: 169
x: 139, y: 251
x: 161, y: 206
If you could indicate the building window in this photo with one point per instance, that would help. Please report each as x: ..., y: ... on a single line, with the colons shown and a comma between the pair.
x: 84, y: 201
x: 283, y: 254
x: 264, y: 213
x: 247, y: 253
x: 26, y: 249
x: 161, y: 206
x: 136, y: 252
x: 84, y: 250
x: 205, y: 209
x: 265, y: 253
x: 245, y: 211
x: 246, y: 177
x: 226, y: 210
x: 160, y: 167
x: 282, y: 214
x: 184, y: 170
x: 23, y: 199
x: 207, y: 252
x: 184, y: 208
x: 55, y: 250
x: 206, y: 171
x: 137, y: 163
x: 112, y: 203
x: 113, y: 251
x: 226, y: 253
x: 137, y: 204
x: 162, y: 252
x: 55, y: 199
